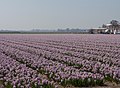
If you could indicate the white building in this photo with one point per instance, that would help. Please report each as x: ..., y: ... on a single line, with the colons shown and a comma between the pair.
x: 112, y: 28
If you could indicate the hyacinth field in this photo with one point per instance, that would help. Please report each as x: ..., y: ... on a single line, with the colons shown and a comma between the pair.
x: 59, y: 60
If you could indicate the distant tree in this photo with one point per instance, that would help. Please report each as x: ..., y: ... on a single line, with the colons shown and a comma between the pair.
x: 103, y: 26
x: 114, y: 22
x: 115, y: 25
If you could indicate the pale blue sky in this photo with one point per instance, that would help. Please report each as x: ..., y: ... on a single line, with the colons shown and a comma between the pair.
x: 53, y: 14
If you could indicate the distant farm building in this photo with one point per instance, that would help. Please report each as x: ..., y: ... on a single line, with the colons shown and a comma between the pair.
x: 112, y: 28
x: 97, y: 30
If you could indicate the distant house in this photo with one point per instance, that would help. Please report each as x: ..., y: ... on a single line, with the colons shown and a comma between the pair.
x: 97, y: 30
x: 112, y: 28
